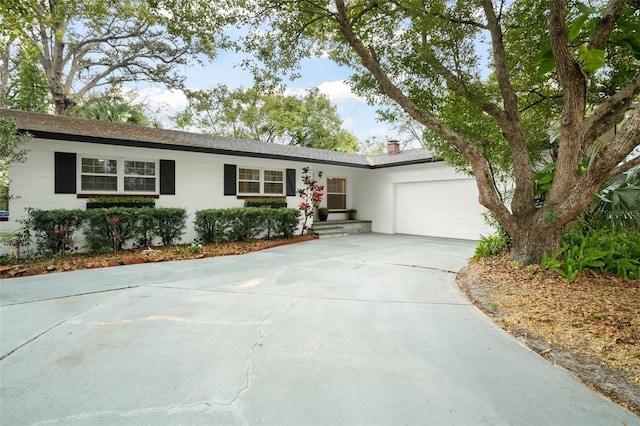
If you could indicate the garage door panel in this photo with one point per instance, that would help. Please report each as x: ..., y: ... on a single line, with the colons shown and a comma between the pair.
x: 440, y: 208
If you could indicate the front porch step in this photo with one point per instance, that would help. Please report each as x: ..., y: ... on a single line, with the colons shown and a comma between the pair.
x: 340, y: 228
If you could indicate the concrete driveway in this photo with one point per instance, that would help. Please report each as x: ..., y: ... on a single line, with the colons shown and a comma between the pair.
x: 366, y: 329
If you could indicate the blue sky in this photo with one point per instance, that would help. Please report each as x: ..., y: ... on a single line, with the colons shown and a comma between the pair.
x: 358, y: 117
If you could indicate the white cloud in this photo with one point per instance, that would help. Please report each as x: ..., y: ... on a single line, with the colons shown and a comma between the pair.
x: 339, y: 91
x: 161, y: 99
x: 380, y: 131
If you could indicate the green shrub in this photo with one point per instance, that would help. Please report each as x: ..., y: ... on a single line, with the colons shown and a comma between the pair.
x: 147, y: 226
x: 170, y: 223
x: 211, y: 225
x: 238, y: 224
x: 55, y: 230
x: 111, y: 229
x: 491, y: 245
x: 122, y: 199
x: 606, y: 251
x: 287, y: 221
x: 116, y: 227
x: 246, y: 223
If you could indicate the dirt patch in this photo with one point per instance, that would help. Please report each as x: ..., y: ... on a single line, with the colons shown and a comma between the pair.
x: 29, y: 267
x: 590, y: 326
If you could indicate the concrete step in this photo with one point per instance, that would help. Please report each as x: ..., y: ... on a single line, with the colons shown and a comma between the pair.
x: 347, y: 226
x: 324, y: 235
x: 329, y: 231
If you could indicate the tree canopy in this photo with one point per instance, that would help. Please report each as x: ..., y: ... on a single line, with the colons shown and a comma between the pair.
x: 113, y: 104
x: 553, y: 67
x: 308, y: 120
x: 85, y: 44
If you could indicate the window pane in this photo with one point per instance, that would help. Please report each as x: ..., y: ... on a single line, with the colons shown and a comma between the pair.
x: 273, y: 188
x: 139, y: 184
x: 272, y: 176
x: 336, y: 201
x: 336, y: 185
x: 249, y: 187
x: 249, y: 174
x: 100, y: 166
x: 141, y: 168
x: 99, y: 183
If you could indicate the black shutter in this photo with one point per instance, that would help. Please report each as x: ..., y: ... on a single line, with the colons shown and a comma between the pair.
x: 229, y: 179
x: 167, y: 177
x: 65, y: 173
x: 291, y: 182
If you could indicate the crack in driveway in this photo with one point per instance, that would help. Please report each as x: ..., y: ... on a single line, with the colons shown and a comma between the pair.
x: 252, y: 351
x: 67, y: 296
x: 42, y: 334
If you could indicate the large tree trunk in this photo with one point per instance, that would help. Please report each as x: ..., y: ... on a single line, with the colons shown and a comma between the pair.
x: 534, y: 240
x: 63, y: 106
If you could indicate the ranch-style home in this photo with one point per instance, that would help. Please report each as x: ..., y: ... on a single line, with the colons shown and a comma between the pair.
x: 71, y: 160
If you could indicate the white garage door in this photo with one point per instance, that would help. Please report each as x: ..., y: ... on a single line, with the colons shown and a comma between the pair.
x: 447, y: 208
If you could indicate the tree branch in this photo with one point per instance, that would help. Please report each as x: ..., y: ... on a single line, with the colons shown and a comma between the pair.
x: 510, y: 123
x: 628, y: 165
x: 611, y: 111
x: 606, y: 24
x: 574, y: 84
x: 488, y: 194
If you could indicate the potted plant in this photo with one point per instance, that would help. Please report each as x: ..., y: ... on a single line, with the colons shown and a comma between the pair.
x: 352, y: 214
x: 323, y: 214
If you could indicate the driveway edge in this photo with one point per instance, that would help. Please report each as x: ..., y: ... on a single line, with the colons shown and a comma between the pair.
x: 606, y: 380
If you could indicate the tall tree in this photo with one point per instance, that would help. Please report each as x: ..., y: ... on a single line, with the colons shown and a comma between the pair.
x: 85, y: 44
x: 27, y: 90
x: 554, y: 65
x: 309, y: 120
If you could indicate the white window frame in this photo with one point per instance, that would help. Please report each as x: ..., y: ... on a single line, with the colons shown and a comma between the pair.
x: 345, y: 193
x: 262, y: 181
x: 120, y: 175
x: 281, y: 182
x: 155, y: 176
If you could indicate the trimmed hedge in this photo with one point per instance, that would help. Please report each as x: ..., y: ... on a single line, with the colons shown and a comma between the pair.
x: 112, y: 229
x: 239, y: 224
x: 105, y: 229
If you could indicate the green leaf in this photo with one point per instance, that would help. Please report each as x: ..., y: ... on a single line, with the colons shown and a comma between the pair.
x: 631, y: 44
x: 546, y: 66
x: 577, y: 25
x: 546, y: 60
x: 592, y: 59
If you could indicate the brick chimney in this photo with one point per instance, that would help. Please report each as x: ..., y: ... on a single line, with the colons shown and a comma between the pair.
x: 393, y: 147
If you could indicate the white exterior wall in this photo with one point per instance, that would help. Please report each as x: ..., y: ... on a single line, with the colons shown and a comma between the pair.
x: 377, y: 200
x: 199, y: 181
x: 198, y: 184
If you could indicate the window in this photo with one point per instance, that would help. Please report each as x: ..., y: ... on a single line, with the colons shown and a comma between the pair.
x: 117, y: 175
x: 336, y: 193
x: 139, y: 176
x: 249, y: 181
x: 99, y: 174
x: 256, y: 181
x: 273, y: 182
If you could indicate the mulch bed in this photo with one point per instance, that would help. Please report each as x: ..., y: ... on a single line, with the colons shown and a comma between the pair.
x: 29, y: 267
x: 590, y: 326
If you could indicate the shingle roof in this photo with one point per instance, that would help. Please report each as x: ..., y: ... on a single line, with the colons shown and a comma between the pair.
x: 104, y: 132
